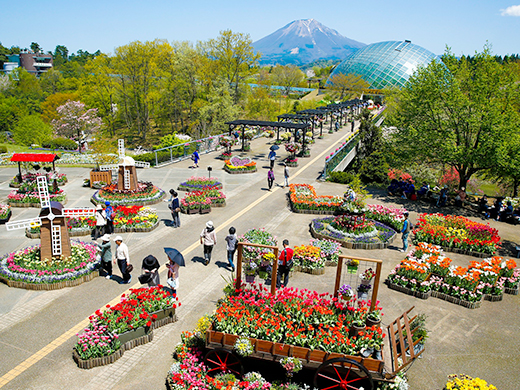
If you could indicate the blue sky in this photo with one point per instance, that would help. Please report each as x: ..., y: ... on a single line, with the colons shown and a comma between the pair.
x: 463, y: 25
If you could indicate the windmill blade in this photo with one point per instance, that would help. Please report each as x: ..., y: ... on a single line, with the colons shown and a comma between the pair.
x: 43, y: 191
x: 121, y: 148
x: 142, y: 164
x: 126, y: 179
x: 23, y: 223
x: 109, y: 167
x: 56, y: 239
x: 79, y: 212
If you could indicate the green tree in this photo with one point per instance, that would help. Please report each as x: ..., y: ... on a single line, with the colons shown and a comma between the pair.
x: 30, y: 130
x: 139, y: 75
x: 52, y: 81
x: 35, y: 47
x: 347, y: 85
x: 288, y: 76
x: 218, y: 110
x: 52, y: 102
x: 60, y: 55
x: 459, y: 114
x: 234, y: 57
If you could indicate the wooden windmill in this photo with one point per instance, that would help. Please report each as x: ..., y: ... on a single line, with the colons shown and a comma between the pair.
x: 54, y: 235
x: 126, y: 168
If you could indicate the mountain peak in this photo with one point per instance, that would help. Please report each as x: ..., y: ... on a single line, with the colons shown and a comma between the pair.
x: 303, y: 41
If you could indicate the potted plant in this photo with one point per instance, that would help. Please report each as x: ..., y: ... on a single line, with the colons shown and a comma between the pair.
x: 363, y: 290
x: 374, y: 318
x: 367, y: 276
x: 352, y: 266
x: 346, y: 292
x: 250, y: 271
x: 357, y: 325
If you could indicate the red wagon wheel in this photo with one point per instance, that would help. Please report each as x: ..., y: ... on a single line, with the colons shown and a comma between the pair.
x: 342, y: 374
x: 220, y: 360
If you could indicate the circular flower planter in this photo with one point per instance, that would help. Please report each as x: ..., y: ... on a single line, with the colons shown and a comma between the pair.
x: 131, y: 198
x: 83, y: 268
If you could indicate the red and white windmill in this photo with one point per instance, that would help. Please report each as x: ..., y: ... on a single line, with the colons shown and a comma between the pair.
x: 54, y: 235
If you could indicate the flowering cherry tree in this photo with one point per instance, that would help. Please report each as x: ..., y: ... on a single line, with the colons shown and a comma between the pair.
x: 76, y: 121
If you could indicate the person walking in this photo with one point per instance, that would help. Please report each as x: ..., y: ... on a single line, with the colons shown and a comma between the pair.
x: 231, y: 240
x: 110, y: 214
x: 105, y: 251
x: 285, y: 175
x: 406, y: 232
x: 151, y: 267
x: 208, y: 238
x: 272, y: 158
x: 123, y: 260
x: 175, y: 208
x: 270, y: 178
x: 195, y: 157
x: 101, y: 221
x: 285, y: 263
x: 173, y: 275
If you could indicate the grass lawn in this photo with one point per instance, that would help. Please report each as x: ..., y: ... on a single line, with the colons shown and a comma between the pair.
x: 19, y: 148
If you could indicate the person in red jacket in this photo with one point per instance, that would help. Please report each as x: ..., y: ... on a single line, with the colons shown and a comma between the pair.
x: 285, y: 263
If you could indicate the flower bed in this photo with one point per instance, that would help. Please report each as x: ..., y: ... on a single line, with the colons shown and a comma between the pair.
x: 291, y: 162
x: 24, y: 268
x: 145, y: 194
x: 23, y: 197
x: 240, y: 165
x: 303, y: 198
x: 127, y: 219
x: 465, y: 382
x: 124, y: 325
x: 369, y: 235
x: 31, y: 179
x: 5, y: 213
x: 393, y: 217
x: 307, y: 258
x: 200, y: 184
x: 202, y: 201
x: 295, y: 318
x: 456, y: 233
x: 329, y: 250
x: 426, y: 272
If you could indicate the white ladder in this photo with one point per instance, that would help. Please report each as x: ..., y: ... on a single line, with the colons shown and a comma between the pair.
x: 56, y: 240
x: 126, y: 179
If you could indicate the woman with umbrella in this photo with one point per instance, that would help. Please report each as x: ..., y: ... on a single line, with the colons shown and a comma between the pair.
x: 272, y: 155
x: 176, y: 261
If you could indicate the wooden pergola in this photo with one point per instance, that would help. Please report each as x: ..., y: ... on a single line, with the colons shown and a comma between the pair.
x: 34, y: 157
x: 242, y: 123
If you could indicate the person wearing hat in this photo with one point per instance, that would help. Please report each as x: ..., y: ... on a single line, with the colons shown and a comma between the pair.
x: 110, y: 214
x: 175, y: 208
x: 101, y: 221
x: 407, y: 226
x: 123, y: 259
x: 105, y: 251
x: 208, y: 238
x: 150, y: 267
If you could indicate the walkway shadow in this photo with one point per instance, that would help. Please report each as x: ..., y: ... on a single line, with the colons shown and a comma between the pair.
x: 222, y: 264
x: 167, y: 222
x: 508, y: 249
x: 197, y: 259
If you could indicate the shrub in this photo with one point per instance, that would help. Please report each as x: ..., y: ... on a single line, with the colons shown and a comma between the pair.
x: 341, y: 177
x: 3, y: 149
x: 60, y: 143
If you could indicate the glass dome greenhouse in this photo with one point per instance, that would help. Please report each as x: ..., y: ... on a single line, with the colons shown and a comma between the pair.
x: 386, y: 64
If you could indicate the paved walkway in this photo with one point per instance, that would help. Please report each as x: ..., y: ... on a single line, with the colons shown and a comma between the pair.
x: 37, y: 329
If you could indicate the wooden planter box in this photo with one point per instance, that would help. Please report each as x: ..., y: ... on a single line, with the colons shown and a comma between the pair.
x: 264, y: 347
x: 96, y: 362
x: 205, y: 211
x: 104, y: 176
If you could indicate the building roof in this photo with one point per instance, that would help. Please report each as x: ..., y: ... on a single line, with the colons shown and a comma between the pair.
x: 34, y: 157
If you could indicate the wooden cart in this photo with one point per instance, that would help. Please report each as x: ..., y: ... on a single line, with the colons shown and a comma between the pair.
x: 333, y: 370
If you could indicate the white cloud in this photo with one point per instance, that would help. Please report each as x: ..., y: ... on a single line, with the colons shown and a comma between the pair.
x: 514, y: 10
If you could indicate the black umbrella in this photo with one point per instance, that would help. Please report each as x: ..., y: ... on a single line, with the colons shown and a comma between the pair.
x: 175, y: 256
x: 274, y: 147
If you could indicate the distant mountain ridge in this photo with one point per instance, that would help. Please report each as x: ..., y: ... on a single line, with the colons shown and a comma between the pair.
x: 303, y: 41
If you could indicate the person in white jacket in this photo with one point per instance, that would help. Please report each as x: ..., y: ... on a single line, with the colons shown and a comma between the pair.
x: 208, y: 238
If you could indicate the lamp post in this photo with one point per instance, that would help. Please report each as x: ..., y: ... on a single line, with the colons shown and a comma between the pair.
x: 209, y: 171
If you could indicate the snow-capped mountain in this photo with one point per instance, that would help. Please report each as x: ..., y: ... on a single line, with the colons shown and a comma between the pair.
x: 304, y: 41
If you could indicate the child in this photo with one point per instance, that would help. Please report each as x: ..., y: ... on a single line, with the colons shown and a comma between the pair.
x: 173, y: 275
x: 232, y: 241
